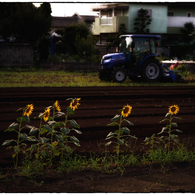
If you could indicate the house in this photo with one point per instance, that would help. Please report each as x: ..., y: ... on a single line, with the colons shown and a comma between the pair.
x: 61, y: 22
x: 167, y: 17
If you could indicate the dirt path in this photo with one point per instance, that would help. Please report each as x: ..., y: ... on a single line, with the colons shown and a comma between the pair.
x: 98, y: 106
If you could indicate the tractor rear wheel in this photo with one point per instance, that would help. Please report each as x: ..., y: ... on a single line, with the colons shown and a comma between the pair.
x: 151, y: 70
x: 119, y: 75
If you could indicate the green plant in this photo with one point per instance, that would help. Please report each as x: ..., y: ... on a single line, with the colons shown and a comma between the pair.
x: 118, y: 134
x: 174, y: 109
x: 17, y: 127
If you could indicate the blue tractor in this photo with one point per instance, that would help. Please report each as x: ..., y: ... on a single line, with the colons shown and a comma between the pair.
x: 135, y: 58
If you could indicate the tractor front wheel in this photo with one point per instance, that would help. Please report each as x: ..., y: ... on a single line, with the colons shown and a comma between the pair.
x: 119, y: 75
x: 151, y: 70
x: 105, y: 75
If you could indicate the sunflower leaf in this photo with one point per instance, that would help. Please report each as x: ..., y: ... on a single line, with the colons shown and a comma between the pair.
x: 58, y: 114
x: 112, y: 124
x: 125, y: 130
x: 47, y: 127
x: 168, y: 114
x: 59, y: 137
x: 130, y: 123
x: 51, y: 123
x: 24, y: 136
x: 110, y: 135
x: 74, y: 123
x: 179, y: 118
x: 7, y: 142
x: 65, y: 130
x: 174, y: 125
x: 43, y: 140
x: 70, y: 110
x: 179, y: 131
x: 77, y: 131
x: 121, y: 142
x: 163, y: 120
x: 26, y: 119
x: 108, y: 143
x: 13, y: 126
x: 74, y: 139
x: 115, y: 118
x: 33, y: 130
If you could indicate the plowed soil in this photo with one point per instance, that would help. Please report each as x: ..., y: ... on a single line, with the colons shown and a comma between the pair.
x: 98, y: 106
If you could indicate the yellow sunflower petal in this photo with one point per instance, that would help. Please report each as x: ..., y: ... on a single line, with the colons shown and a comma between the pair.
x: 57, y: 106
x: 75, y: 103
x: 46, y: 114
x: 28, y: 110
x: 126, y: 111
x: 174, y: 109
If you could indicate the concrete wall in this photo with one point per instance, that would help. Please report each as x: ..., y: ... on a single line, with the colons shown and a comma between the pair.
x: 14, y: 54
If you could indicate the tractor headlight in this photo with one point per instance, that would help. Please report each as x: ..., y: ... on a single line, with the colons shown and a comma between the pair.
x: 107, y: 60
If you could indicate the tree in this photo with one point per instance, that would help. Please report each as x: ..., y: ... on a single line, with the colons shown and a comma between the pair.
x: 24, y: 22
x: 187, y: 31
x: 67, y: 42
x: 142, y: 21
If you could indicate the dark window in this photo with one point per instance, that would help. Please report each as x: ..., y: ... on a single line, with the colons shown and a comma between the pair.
x: 189, y: 14
x: 170, y: 13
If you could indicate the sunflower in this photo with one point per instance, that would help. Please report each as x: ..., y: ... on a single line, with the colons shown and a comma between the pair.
x: 28, y: 110
x: 126, y: 110
x: 46, y: 114
x: 75, y: 103
x: 174, y: 109
x: 57, y: 106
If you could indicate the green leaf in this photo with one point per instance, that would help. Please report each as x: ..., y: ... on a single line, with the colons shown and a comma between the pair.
x: 65, y: 130
x: 43, y: 140
x: 179, y: 131
x: 50, y: 146
x: 19, y: 119
x: 59, y: 137
x: 41, y: 115
x: 110, y: 135
x: 16, y: 149
x: 168, y: 114
x: 121, y: 142
x: 58, y: 114
x: 13, y: 126
x: 43, y: 131
x: 108, y: 143
x: 33, y: 147
x: 26, y: 119
x: 174, y: 125
x: 24, y: 136
x: 130, y: 123
x: 112, y: 124
x: 33, y: 130
x: 70, y: 110
x: 48, y: 128
x: 179, y: 118
x: 74, y: 139
x: 163, y: 120
x: 74, y: 123
x: 125, y: 130
x: 68, y: 149
x: 77, y: 131
x: 147, y: 139
x: 163, y: 130
x: 51, y: 123
x: 7, y: 142
x: 115, y: 118
x: 31, y: 139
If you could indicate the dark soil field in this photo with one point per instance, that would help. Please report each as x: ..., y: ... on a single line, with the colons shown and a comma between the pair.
x: 98, y: 106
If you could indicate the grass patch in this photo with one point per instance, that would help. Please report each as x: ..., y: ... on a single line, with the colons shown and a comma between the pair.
x: 32, y: 77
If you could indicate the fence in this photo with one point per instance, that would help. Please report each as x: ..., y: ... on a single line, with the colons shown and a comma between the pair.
x: 72, y: 66
x: 16, y: 54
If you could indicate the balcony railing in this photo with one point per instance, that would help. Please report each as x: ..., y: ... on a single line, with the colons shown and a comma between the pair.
x: 106, y: 21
